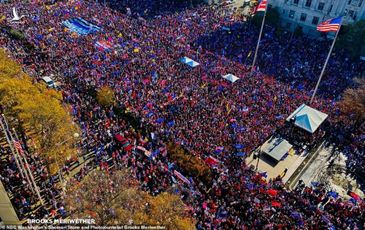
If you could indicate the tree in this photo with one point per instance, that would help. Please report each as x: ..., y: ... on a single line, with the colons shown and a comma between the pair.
x: 105, y: 96
x: 192, y: 165
x: 39, y: 112
x: 116, y: 199
x: 353, y: 39
x: 353, y: 101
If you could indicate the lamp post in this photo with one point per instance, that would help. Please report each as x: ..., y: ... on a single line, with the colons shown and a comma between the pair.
x: 257, y: 155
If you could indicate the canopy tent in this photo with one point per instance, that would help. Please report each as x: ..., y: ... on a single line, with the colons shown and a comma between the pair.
x: 189, y: 62
x: 231, y: 78
x: 307, y: 118
x: 276, y: 148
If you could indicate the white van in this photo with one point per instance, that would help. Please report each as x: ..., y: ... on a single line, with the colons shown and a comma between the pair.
x: 49, y: 82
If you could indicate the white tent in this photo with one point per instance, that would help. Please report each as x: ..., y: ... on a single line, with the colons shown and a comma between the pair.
x: 276, y: 148
x: 307, y: 118
x: 190, y: 62
x: 231, y: 78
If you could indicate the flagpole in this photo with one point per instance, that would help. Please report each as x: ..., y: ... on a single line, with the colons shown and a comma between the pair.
x: 29, y: 171
x: 259, y: 40
x: 325, y: 65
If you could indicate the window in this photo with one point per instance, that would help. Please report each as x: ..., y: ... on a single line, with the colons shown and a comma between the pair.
x: 303, y: 16
x: 308, y: 3
x: 315, y: 20
x: 352, y: 14
x: 291, y: 14
x: 355, y: 2
x: 330, y: 9
x: 321, y: 6
x: 296, y: 1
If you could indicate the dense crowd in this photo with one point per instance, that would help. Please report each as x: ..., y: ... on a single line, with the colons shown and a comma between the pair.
x: 193, y: 107
x: 21, y: 190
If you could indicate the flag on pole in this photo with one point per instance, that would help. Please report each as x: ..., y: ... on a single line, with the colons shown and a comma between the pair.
x: 331, y: 25
x: 261, y: 6
x: 18, y: 147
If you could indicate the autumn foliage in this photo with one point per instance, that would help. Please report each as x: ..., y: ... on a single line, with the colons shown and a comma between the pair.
x: 105, y: 96
x: 192, y: 165
x: 37, y: 111
x: 353, y: 101
x: 114, y: 199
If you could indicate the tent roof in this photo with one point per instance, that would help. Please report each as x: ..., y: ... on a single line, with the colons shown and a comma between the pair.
x: 307, y: 118
x: 231, y: 78
x: 276, y: 148
x: 190, y: 62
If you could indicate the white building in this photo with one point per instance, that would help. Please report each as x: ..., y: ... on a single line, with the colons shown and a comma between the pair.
x: 306, y: 14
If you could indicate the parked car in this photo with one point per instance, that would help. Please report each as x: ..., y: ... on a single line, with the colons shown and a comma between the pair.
x: 49, y: 82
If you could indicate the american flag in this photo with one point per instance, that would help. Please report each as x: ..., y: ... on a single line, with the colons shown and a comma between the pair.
x: 18, y: 146
x: 261, y: 6
x: 331, y: 25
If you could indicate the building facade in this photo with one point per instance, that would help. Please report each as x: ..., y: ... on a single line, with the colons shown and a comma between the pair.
x: 306, y: 14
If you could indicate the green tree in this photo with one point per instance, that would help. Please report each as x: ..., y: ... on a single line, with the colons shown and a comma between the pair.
x: 353, y: 39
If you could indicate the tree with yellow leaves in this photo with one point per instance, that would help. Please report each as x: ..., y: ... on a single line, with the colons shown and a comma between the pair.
x: 114, y: 199
x: 37, y: 111
x: 105, y: 96
x: 353, y: 102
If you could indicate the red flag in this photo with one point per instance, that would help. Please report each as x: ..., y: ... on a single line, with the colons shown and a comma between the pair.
x: 211, y: 161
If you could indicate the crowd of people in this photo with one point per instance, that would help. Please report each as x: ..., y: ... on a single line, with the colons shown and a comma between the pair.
x: 193, y: 107
x: 21, y: 190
